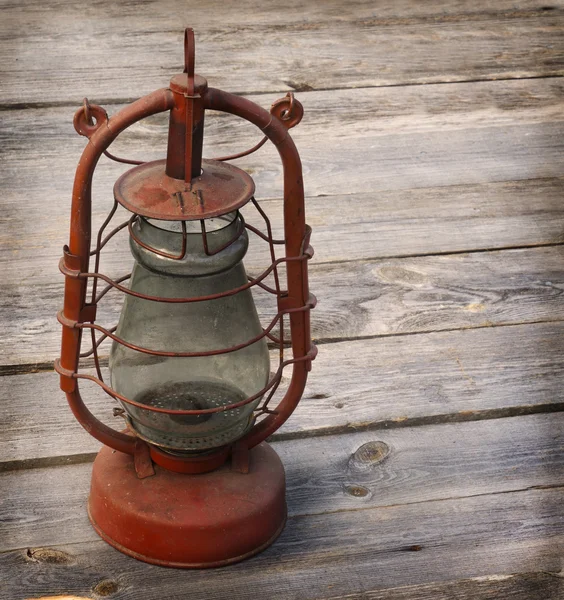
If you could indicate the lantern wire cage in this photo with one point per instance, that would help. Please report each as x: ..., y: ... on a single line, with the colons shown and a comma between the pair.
x: 227, y: 190
x: 274, y: 331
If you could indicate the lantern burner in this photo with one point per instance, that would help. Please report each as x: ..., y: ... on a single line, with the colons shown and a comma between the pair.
x: 192, y: 432
x: 189, y: 394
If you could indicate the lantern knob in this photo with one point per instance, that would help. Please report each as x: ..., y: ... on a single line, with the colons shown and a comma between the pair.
x: 186, y: 128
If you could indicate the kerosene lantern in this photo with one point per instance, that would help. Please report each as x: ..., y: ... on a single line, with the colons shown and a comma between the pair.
x: 191, y: 481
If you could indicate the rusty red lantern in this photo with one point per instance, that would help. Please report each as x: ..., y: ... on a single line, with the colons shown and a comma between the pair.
x: 191, y: 481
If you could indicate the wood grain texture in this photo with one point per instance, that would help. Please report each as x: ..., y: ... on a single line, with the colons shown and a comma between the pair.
x: 366, y: 141
x: 68, y: 16
x: 391, y: 143
x: 354, y: 385
x: 118, y: 51
x: 368, y: 298
x: 331, y: 554
x: 328, y: 474
x: 406, y: 476
x: 480, y: 215
x: 548, y: 586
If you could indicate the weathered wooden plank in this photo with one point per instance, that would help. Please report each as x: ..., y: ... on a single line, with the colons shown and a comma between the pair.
x: 399, y: 139
x: 393, y: 138
x: 524, y: 586
x: 462, y: 217
x: 68, y: 16
x: 345, y: 227
x: 316, y: 48
x: 330, y: 473
x: 331, y: 554
x: 363, y: 384
x: 381, y: 297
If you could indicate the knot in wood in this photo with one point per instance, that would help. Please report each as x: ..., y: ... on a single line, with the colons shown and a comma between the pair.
x: 358, y: 491
x: 49, y: 555
x: 106, y: 587
x: 369, y: 455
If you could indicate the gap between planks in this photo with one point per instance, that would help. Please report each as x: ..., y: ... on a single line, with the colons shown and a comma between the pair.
x: 128, y: 100
x: 460, y: 417
x: 363, y: 300
x: 47, y: 367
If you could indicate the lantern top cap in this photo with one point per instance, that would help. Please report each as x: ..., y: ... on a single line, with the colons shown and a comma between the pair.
x: 148, y: 191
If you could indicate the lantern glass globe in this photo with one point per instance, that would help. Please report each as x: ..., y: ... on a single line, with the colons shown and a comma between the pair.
x: 189, y: 383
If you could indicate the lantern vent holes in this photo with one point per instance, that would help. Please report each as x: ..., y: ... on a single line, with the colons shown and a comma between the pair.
x: 171, y: 443
x: 195, y: 395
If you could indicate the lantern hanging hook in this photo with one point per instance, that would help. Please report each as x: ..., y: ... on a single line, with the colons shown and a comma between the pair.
x: 287, y: 114
x: 87, y: 112
x: 288, y: 110
x: 89, y: 118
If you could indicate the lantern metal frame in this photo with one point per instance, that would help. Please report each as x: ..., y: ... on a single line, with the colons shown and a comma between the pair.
x: 78, y: 314
x: 187, y: 98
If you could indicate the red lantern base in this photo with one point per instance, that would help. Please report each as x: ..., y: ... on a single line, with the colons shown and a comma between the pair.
x: 188, y: 521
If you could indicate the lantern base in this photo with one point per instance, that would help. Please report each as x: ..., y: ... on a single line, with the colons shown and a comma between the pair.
x: 188, y: 521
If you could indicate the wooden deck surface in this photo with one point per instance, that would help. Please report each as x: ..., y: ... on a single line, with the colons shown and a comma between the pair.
x: 426, y: 459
